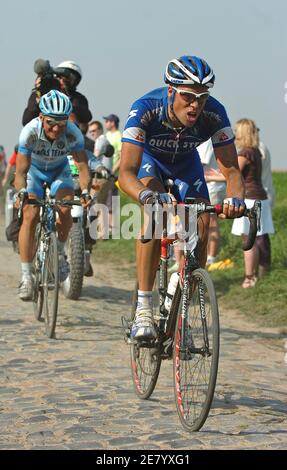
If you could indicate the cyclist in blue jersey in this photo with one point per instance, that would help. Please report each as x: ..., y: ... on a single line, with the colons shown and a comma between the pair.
x: 162, y: 131
x: 44, y: 144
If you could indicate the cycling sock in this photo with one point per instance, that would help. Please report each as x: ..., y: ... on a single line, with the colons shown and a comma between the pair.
x: 210, y: 259
x: 26, y: 269
x: 144, y: 299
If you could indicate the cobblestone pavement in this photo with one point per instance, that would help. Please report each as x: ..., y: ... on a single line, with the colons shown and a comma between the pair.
x: 75, y: 392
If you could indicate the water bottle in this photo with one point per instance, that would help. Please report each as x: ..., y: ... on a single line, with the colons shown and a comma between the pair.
x: 171, y: 290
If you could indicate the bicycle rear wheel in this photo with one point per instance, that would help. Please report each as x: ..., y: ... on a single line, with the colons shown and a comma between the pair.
x: 38, y: 294
x: 145, y: 357
x: 196, y: 352
x: 51, y: 285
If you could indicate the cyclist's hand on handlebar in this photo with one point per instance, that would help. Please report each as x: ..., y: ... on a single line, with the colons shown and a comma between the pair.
x: 146, y: 197
x: 167, y: 198
x: 233, y: 207
x: 19, y: 197
x: 85, y: 198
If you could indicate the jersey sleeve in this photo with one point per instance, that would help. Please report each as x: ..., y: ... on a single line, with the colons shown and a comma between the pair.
x: 27, y: 139
x: 136, y: 124
x: 221, y: 132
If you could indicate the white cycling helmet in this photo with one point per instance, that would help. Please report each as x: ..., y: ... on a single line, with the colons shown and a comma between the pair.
x: 69, y: 65
x: 55, y: 104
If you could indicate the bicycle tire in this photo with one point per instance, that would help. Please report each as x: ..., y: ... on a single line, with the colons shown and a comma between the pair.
x: 72, y: 286
x: 145, y: 361
x: 38, y: 295
x: 51, y: 286
x: 195, y: 373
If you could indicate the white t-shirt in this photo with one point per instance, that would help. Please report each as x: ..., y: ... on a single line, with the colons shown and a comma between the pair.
x: 101, y: 146
x: 266, y: 175
x: 207, y: 157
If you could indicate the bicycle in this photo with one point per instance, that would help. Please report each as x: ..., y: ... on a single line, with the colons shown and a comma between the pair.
x: 81, y: 239
x: 45, y: 261
x: 189, y: 333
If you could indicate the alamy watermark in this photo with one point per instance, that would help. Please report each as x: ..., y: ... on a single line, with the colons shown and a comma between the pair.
x: 131, y: 221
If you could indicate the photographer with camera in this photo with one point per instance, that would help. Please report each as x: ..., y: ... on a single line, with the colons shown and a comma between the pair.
x: 65, y: 78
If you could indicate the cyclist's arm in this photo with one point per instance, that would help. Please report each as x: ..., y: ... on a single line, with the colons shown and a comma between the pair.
x: 23, y: 163
x: 227, y: 161
x: 81, y: 160
x: 131, y: 158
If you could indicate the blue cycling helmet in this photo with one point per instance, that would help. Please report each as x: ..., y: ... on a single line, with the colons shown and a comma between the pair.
x: 189, y: 70
x: 55, y: 104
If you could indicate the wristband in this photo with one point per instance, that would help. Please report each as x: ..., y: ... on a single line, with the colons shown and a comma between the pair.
x: 144, y: 195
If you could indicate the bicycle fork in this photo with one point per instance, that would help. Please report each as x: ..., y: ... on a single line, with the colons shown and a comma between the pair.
x: 186, y: 340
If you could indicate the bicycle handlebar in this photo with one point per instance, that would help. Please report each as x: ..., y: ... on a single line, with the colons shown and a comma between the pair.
x: 253, y: 214
x: 54, y: 202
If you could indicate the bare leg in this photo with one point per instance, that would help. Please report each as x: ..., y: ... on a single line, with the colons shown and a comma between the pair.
x: 27, y: 232
x: 251, y: 261
x: 148, y: 254
x: 64, y: 222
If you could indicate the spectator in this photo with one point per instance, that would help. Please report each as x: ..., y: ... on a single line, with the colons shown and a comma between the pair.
x: 2, y: 166
x: 102, y: 147
x: 66, y: 77
x: 114, y: 136
x: 11, y: 163
x: 2, y: 161
x: 216, y: 188
x: 263, y: 241
x: 250, y: 163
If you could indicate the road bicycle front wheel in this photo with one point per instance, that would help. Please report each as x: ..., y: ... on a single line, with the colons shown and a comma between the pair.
x: 145, y: 357
x: 72, y: 286
x: 196, y: 351
x: 38, y: 294
x: 51, y: 285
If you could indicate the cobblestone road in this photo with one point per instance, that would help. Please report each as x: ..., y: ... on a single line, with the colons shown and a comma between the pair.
x: 75, y: 392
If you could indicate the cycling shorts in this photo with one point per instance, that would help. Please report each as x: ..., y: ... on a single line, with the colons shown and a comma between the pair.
x: 57, y: 179
x: 186, y: 173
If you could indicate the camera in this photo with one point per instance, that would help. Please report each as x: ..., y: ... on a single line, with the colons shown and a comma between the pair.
x: 49, y: 81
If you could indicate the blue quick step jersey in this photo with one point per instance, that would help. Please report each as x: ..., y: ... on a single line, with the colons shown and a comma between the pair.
x: 168, y: 153
x: 147, y: 126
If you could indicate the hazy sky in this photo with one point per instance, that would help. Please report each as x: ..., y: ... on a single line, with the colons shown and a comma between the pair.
x: 123, y: 47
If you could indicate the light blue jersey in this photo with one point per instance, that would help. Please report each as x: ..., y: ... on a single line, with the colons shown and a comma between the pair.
x: 49, y: 162
x: 46, y: 155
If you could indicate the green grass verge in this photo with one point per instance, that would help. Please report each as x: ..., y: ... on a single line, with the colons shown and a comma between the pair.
x: 267, y: 301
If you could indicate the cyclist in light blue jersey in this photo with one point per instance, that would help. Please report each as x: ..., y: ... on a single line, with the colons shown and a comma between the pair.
x: 44, y: 144
x: 160, y: 138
